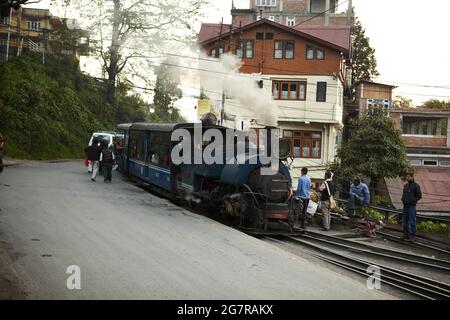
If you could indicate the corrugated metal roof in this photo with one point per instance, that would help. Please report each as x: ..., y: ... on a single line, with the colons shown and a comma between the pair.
x: 434, y: 183
x: 211, y: 30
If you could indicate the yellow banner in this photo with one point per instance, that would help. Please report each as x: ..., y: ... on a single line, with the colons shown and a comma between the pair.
x: 203, y: 107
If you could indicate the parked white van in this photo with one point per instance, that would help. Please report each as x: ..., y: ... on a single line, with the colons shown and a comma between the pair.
x: 108, y: 136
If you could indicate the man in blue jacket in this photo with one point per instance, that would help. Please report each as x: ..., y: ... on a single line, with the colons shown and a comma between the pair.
x: 359, y: 194
x: 303, y: 192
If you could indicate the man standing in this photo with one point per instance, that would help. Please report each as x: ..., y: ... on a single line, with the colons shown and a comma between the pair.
x: 303, y: 192
x: 327, y: 189
x: 359, y: 194
x: 106, y: 159
x: 411, y: 195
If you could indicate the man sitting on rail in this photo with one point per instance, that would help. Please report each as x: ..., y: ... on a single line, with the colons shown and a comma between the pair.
x: 359, y: 194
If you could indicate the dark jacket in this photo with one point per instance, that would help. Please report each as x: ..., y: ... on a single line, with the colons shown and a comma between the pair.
x: 411, y: 194
x: 324, y: 193
x: 107, y: 156
x: 93, y: 152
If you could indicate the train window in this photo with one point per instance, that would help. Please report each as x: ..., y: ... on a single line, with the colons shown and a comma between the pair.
x: 158, y: 149
x: 137, y: 149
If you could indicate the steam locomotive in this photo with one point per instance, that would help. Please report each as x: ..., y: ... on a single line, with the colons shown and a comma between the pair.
x: 235, y: 188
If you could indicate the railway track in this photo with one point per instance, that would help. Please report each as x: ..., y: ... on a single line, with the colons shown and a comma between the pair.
x: 321, y: 247
x: 371, y: 250
x: 417, y: 285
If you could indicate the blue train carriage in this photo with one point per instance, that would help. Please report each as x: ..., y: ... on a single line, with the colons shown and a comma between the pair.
x: 147, y: 153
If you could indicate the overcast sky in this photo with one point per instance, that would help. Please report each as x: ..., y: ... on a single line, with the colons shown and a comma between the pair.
x: 410, y: 38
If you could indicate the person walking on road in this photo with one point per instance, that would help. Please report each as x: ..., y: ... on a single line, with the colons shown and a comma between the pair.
x: 303, y: 192
x: 93, y: 154
x: 411, y: 195
x: 106, y: 159
x: 2, y: 142
x: 328, y: 190
x: 359, y: 194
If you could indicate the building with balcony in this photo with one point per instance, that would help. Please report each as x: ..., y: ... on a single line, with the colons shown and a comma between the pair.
x: 303, y: 71
x: 426, y: 133
x: 28, y: 29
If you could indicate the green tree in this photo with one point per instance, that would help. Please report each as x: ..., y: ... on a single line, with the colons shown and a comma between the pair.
x: 166, y: 93
x: 401, y: 102
x: 436, y: 104
x: 375, y: 149
x: 364, y: 62
x: 50, y: 111
x: 128, y: 35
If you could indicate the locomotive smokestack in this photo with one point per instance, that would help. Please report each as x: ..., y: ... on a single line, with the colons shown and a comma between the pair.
x: 268, y: 147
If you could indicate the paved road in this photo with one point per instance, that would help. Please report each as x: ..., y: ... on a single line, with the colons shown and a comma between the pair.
x: 130, y: 244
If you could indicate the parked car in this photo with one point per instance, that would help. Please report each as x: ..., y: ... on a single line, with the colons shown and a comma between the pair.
x: 103, y: 136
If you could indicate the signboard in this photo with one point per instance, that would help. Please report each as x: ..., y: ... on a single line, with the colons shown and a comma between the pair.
x: 203, y: 107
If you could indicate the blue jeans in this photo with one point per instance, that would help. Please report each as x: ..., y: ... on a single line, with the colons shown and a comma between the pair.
x: 409, y: 220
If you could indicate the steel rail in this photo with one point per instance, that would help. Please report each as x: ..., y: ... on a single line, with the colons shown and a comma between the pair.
x: 417, y: 244
x: 414, y: 284
x: 378, y: 249
x: 381, y: 252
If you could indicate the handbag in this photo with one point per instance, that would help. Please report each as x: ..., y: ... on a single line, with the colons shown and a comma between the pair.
x: 332, y: 201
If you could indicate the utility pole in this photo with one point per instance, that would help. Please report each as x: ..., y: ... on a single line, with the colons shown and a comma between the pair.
x: 9, y: 33
x: 350, y: 13
x: 218, y: 54
x: 327, y: 12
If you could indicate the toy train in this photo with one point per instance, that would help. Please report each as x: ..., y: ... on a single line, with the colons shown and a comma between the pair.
x: 235, y: 188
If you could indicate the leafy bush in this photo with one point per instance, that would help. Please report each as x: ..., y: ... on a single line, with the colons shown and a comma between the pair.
x: 430, y: 226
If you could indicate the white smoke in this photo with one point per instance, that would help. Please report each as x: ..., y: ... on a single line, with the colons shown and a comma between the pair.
x: 215, y: 76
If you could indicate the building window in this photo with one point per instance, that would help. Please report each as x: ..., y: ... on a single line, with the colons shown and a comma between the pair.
x: 321, y: 93
x: 34, y: 25
x: 290, y: 21
x: 259, y: 36
x: 266, y: 3
x: 239, y: 49
x: 244, y: 48
x: 217, y: 51
x: 416, y: 162
x: 249, y: 49
x: 430, y: 163
x: 304, y: 144
x: 289, y: 90
x: 284, y: 49
x: 269, y: 36
x: 444, y: 163
x: 313, y: 53
x: 421, y: 126
x: 5, y: 20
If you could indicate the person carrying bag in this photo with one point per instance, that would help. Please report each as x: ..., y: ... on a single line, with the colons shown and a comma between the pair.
x: 328, y: 189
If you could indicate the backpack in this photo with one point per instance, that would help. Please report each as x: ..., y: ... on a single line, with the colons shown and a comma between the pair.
x: 107, y: 156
